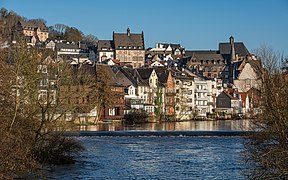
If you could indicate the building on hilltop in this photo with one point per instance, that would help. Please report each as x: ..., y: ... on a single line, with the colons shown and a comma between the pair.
x: 130, y: 48
x: 164, y: 52
x: 33, y: 31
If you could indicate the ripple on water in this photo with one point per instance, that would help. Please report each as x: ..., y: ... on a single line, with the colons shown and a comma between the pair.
x: 155, y: 158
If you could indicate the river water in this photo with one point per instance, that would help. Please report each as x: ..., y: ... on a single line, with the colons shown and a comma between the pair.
x: 158, y: 157
x: 173, y: 126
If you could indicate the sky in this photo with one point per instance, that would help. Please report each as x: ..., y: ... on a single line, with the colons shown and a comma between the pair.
x: 196, y: 25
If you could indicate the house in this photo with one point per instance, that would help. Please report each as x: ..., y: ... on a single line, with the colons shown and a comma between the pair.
x: 201, y: 96
x: 245, y: 102
x: 229, y: 102
x: 254, y: 97
x: 36, y: 29
x: 67, y: 49
x: 207, y: 63
x: 249, y: 76
x: 234, y: 53
x: 50, y: 44
x: 184, y: 94
x: 105, y: 50
x: 222, y: 64
x: 156, y: 64
x: 133, y: 88
x: 82, y: 95
x: 129, y: 48
x: 170, y: 96
x: 166, y: 51
x: 155, y: 78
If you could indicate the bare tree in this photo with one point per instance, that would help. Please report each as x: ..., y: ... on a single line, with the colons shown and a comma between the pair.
x: 267, y: 150
x: 30, y: 112
x: 61, y: 28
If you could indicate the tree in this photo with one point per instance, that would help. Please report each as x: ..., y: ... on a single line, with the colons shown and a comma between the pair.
x: 39, y: 20
x: 266, y: 151
x: 8, y: 20
x: 158, y: 101
x: 57, y: 31
x: 30, y: 113
x: 90, y: 38
x: 103, y: 96
x: 72, y: 34
x: 90, y: 90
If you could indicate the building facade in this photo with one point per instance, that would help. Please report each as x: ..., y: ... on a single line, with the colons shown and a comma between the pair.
x: 129, y: 48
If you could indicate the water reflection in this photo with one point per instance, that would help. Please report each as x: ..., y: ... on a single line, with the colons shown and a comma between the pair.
x: 174, y: 126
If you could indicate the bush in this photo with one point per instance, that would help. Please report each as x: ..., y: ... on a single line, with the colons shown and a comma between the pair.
x: 136, y: 116
x: 56, y: 149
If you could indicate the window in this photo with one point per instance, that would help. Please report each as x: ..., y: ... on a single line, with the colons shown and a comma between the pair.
x: 131, y: 92
x: 177, y: 90
x: 44, y: 82
x: 43, y: 95
x: 177, y: 82
x: 189, y: 100
x: 248, y: 83
x: 190, y: 92
x: 177, y: 108
x: 117, y: 111
x: 177, y: 100
x: 112, y: 112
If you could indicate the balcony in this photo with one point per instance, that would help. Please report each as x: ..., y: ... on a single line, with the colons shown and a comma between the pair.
x: 201, y: 98
x: 201, y: 90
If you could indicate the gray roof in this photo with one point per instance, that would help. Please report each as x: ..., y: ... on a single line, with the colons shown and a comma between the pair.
x: 125, y: 40
x: 144, y: 72
x: 189, y: 53
x: 107, y: 44
x: 173, y: 46
x: 125, y: 76
x: 33, y: 25
x: 240, y: 48
x: 207, y: 57
x: 257, y: 66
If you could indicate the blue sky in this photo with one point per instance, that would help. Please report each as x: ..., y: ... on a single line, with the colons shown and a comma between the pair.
x: 193, y: 24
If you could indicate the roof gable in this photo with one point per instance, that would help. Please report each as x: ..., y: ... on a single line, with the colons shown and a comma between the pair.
x: 131, y: 41
x: 105, y: 45
x: 240, y: 48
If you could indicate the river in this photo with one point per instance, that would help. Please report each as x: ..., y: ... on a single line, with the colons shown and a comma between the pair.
x: 158, y: 157
x: 173, y: 126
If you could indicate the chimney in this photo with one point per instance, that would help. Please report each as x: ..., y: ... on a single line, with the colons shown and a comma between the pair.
x: 233, y: 57
x: 128, y: 31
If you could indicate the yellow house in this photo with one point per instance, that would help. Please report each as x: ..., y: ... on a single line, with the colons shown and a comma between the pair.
x: 32, y: 29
